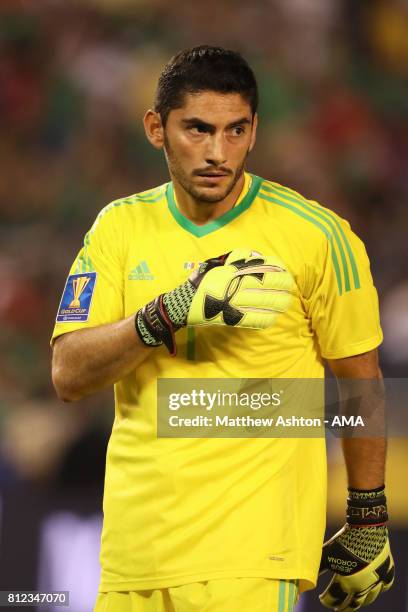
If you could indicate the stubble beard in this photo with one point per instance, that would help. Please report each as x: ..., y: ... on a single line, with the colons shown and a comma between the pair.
x: 200, y: 196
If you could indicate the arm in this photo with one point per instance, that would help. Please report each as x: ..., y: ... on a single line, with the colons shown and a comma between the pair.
x: 364, y: 457
x: 359, y: 554
x: 90, y: 359
x: 87, y: 360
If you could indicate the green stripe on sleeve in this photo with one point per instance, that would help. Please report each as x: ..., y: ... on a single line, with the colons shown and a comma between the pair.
x: 317, y: 223
x: 153, y: 193
x: 303, y: 203
x: 153, y: 196
x: 152, y: 200
x: 323, y: 213
x: 137, y: 199
x: 354, y: 268
x: 329, y: 214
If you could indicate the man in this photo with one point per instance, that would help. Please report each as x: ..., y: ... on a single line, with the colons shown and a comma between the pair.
x: 279, y: 284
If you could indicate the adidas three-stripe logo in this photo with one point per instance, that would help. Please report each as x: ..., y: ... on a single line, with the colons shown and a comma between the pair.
x: 141, y: 272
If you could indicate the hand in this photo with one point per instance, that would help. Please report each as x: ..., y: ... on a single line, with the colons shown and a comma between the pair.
x: 249, y: 290
x: 241, y: 289
x: 359, y: 556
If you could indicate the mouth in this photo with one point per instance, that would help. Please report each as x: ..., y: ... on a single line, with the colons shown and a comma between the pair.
x: 212, y: 177
x: 212, y: 174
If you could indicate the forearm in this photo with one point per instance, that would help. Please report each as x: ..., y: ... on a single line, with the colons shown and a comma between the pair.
x: 365, y: 455
x: 365, y: 462
x: 361, y: 387
x: 88, y: 360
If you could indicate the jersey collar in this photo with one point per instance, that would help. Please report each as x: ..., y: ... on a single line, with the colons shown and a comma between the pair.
x: 202, y: 230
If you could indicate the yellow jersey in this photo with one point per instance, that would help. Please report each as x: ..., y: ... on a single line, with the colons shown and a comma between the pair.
x: 192, y: 509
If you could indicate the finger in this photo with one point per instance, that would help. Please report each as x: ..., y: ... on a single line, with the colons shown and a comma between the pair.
x: 373, y: 593
x: 239, y: 254
x: 335, y: 597
x: 267, y: 280
x: 276, y: 301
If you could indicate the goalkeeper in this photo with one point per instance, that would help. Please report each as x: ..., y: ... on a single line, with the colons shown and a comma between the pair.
x: 220, y: 273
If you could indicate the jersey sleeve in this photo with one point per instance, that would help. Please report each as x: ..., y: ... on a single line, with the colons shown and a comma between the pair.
x: 93, y: 292
x: 342, y: 303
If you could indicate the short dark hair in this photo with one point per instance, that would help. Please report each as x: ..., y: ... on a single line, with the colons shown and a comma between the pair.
x: 204, y: 68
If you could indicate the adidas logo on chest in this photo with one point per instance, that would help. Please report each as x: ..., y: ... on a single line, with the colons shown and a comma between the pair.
x: 141, y: 272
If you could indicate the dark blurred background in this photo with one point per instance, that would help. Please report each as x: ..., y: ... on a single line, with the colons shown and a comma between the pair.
x: 75, y: 80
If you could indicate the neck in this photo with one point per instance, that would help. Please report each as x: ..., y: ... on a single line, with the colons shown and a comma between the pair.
x: 200, y: 212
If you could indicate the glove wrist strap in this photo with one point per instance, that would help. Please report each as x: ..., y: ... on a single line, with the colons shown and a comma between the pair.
x: 152, y: 322
x: 157, y: 322
x: 367, y: 507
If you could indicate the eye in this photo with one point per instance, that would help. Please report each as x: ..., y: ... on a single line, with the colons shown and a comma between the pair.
x: 198, y: 129
x: 237, y: 130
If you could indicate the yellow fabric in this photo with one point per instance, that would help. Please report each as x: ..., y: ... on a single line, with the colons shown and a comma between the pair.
x: 188, y: 510
x: 228, y: 595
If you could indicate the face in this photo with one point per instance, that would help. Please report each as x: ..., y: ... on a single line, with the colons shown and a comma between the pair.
x: 206, y: 143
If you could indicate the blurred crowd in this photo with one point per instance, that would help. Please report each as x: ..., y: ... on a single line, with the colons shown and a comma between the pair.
x: 75, y: 80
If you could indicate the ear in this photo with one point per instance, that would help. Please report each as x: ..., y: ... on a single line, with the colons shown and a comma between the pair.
x: 154, y: 129
x: 253, y: 133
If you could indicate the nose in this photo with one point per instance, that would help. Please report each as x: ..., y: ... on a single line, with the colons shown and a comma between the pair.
x: 215, y: 153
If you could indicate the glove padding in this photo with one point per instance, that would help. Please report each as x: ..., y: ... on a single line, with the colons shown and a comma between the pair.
x: 249, y: 290
x: 363, y: 567
x: 241, y: 288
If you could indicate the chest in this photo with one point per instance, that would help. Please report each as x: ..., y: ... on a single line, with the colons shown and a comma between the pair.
x: 162, y: 257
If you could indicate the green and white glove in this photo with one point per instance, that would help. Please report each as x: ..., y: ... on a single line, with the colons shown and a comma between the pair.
x: 359, y: 554
x: 241, y: 289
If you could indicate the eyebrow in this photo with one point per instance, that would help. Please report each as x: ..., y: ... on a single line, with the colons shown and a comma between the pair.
x: 198, y: 121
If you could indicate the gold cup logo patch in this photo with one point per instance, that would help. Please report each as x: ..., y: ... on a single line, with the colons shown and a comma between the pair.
x: 78, y: 286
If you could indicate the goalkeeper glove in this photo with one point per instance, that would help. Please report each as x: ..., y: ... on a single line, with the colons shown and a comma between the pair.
x: 241, y: 289
x: 359, y: 554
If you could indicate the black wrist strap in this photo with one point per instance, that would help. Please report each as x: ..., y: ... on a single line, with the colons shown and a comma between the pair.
x: 158, y: 324
x: 367, y: 507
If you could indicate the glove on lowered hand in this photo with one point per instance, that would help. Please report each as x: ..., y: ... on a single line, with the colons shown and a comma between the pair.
x: 359, y: 554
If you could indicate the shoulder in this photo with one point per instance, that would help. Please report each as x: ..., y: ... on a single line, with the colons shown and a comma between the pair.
x: 113, y: 221
x: 309, y: 222
x: 303, y: 214
x: 119, y: 213
x: 319, y: 234
x: 134, y: 203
